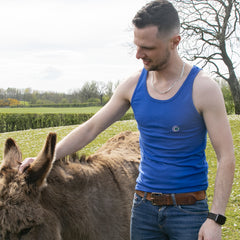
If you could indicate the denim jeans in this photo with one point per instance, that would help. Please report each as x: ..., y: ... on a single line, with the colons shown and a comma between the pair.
x: 178, y: 222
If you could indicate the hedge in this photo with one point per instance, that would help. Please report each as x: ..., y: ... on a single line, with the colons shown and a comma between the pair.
x: 59, y: 105
x: 17, y: 122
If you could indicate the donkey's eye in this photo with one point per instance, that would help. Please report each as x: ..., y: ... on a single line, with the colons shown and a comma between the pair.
x: 25, y: 231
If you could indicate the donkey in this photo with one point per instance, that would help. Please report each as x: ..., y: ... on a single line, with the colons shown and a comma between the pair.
x: 75, y: 198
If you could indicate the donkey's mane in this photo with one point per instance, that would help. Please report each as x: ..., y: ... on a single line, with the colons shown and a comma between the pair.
x: 74, y: 158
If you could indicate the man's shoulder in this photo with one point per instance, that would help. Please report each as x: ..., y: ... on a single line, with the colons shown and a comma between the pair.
x: 204, y: 82
x: 206, y: 91
x: 133, y: 78
x: 126, y: 88
x: 130, y: 82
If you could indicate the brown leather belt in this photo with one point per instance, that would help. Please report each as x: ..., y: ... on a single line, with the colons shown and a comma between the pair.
x: 161, y: 199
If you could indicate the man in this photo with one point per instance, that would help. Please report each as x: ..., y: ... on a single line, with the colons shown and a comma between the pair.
x: 174, y: 104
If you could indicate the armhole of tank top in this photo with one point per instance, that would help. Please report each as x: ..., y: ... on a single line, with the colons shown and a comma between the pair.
x: 140, y: 79
x: 196, y: 74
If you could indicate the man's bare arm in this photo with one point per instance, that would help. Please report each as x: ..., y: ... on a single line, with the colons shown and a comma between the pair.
x: 210, y: 103
x: 86, y: 132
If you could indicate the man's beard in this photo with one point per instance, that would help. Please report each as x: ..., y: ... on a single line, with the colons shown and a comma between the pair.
x: 162, y: 64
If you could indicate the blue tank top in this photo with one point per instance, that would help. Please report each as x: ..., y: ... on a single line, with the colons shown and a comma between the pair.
x: 172, y: 140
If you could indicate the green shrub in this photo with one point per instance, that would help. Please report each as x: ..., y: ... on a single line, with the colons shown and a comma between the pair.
x: 229, y: 103
x: 15, y: 122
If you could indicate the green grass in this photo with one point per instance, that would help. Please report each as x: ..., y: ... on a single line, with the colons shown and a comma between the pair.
x: 232, y: 228
x: 31, y: 142
x: 53, y: 110
x: 50, y: 110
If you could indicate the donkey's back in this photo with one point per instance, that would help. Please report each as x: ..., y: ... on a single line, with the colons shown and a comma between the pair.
x: 84, y: 198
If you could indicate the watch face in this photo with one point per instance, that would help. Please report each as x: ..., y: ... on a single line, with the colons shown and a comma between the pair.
x: 221, y: 219
x: 218, y: 218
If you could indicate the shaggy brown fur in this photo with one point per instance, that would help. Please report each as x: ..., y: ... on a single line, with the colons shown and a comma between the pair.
x: 71, y: 199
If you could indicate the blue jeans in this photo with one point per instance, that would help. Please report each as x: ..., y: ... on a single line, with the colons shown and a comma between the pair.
x: 166, y: 222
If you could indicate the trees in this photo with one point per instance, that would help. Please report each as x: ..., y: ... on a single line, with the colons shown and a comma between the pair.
x: 95, y: 90
x: 9, y: 102
x: 91, y: 92
x: 210, y: 30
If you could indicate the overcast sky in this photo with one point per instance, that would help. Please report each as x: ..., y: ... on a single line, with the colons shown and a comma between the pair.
x: 57, y: 45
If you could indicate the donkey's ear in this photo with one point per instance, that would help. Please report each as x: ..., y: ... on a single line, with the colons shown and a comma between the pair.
x: 12, y: 155
x: 40, y: 168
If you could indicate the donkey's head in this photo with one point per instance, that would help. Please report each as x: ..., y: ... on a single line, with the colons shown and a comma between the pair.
x: 21, y: 214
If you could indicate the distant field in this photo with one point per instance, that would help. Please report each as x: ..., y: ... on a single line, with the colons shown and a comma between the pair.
x: 31, y: 142
x: 50, y: 110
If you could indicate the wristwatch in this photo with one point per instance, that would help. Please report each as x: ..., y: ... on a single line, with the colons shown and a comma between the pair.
x: 218, y: 218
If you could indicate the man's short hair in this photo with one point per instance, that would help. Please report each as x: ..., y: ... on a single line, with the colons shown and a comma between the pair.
x: 160, y: 13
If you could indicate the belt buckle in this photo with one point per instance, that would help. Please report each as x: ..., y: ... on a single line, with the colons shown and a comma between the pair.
x: 159, y: 199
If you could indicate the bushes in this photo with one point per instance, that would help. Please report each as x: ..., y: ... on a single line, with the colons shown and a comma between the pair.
x: 229, y: 103
x: 59, y: 105
x: 16, y: 122
x: 10, y: 102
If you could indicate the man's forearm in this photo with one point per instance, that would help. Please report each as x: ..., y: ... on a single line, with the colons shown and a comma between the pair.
x: 223, y: 185
x: 74, y: 141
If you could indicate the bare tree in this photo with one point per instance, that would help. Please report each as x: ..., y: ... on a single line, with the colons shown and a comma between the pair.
x: 210, y: 31
x: 89, y: 90
x: 102, y: 88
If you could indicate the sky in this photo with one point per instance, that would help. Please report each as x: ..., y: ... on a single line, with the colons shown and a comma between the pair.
x: 58, y: 45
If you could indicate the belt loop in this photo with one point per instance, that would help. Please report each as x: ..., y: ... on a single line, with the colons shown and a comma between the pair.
x: 174, y: 199
x: 145, y: 196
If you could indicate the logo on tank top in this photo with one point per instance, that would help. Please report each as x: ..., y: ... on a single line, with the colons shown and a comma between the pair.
x: 175, y: 128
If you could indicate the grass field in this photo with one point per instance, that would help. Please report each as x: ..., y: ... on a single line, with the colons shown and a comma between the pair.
x: 53, y: 110
x: 31, y: 142
x: 50, y: 110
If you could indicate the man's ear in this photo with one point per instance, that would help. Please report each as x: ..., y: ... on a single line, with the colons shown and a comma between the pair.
x: 175, y: 41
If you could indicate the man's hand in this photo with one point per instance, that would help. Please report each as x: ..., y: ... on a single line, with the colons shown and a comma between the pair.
x: 25, y: 164
x: 210, y: 231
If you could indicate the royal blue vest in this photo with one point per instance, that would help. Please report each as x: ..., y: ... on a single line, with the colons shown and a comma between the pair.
x: 172, y: 140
